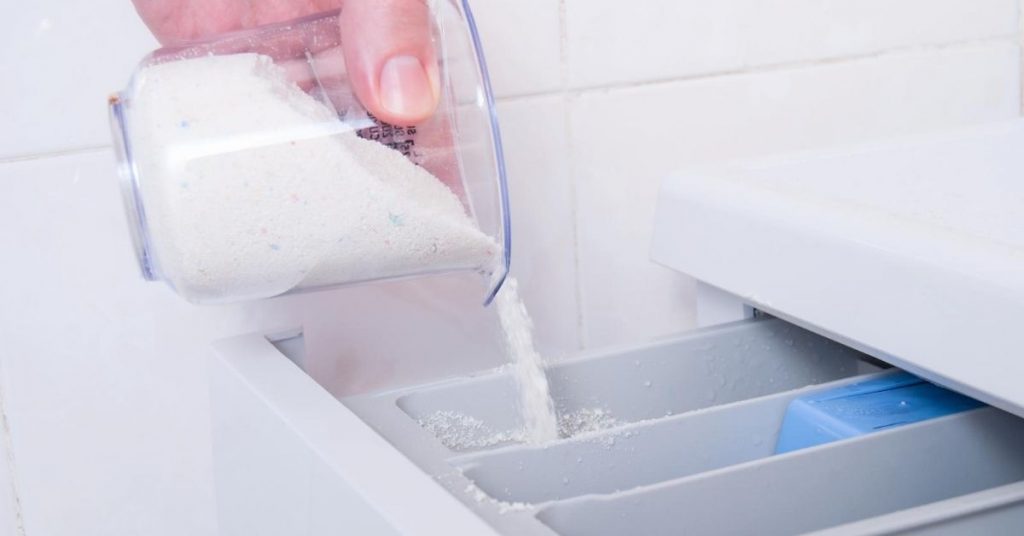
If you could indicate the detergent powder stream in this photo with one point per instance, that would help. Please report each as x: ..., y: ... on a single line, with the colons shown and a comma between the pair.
x: 538, y: 410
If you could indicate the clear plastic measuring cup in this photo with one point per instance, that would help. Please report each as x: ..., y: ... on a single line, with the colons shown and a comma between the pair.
x: 250, y: 169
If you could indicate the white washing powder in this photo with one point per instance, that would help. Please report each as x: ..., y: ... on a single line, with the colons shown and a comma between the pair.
x: 252, y: 188
x: 540, y: 422
x: 586, y: 421
x: 459, y: 431
x: 503, y: 507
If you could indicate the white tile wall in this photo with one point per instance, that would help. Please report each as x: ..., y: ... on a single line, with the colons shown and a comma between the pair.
x: 522, y: 42
x: 102, y: 399
x: 59, y: 60
x: 543, y: 224
x: 611, y: 42
x: 625, y: 140
x: 838, y: 28
x: 103, y: 377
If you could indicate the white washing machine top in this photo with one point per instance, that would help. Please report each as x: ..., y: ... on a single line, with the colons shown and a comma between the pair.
x: 911, y: 250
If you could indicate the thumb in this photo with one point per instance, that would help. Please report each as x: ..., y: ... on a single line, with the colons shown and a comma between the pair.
x: 391, y: 61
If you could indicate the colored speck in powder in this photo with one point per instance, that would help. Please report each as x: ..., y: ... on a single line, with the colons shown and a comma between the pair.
x: 183, y: 124
x: 396, y: 219
x: 263, y: 231
x: 294, y: 197
x: 275, y: 247
x: 184, y: 185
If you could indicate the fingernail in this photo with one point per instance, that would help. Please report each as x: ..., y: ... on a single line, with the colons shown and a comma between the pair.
x: 405, y: 88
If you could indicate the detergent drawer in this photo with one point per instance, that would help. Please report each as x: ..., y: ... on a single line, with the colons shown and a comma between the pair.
x: 677, y: 436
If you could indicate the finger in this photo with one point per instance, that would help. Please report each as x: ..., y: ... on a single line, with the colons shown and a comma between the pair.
x: 392, y: 64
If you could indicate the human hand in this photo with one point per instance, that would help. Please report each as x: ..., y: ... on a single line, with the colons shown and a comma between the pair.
x: 389, y: 57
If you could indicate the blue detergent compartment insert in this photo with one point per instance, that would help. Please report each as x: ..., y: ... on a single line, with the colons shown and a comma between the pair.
x: 866, y: 407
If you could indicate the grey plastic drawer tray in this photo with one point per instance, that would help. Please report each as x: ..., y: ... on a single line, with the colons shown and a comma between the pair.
x: 995, y: 511
x: 705, y: 368
x: 816, y: 488
x: 637, y: 454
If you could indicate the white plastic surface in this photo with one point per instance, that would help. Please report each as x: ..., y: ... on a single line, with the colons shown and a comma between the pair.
x: 911, y: 250
x: 289, y: 459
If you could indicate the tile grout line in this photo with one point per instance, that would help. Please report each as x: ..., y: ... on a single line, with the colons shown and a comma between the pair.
x: 54, y: 154
x: 563, y: 59
x: 767, y: 68
x: 1020, y: 51
x: 564, y: 89
x: 802, y: 64
x: 8, y: 446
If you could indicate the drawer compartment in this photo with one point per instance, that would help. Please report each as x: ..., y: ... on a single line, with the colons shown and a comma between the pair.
x: 603, y: 390
x: 816, y: 488
x: 993, y: 511
x: 638, y: 454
